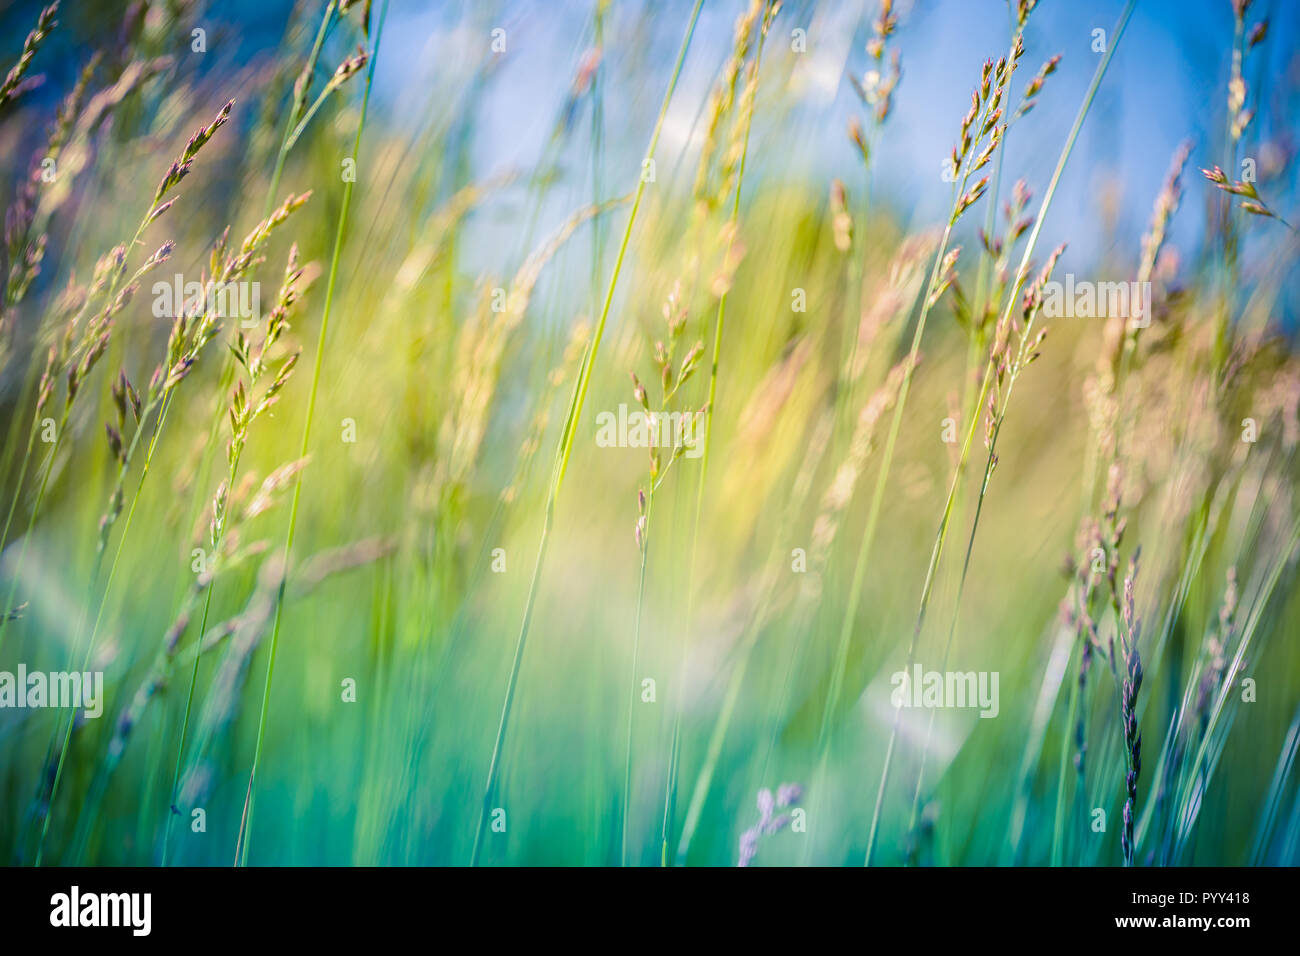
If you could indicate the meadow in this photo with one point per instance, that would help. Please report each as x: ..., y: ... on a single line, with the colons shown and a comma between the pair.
x: 653, y: 501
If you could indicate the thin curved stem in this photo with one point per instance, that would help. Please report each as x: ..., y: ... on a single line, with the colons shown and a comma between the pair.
x: 562, y: 453
x: 241, y: 846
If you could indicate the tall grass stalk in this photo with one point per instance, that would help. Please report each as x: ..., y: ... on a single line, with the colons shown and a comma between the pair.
x: 61, y: 428
x: 99, y: 616
x: 1190, y: 798
x: 172, y: 811
x: 636, y: 650
x: 292, y: 130
x: 595, y: 753
x: 241, y: 845
x: 976, y: 343
x: 840, y: 665
x: 1012, y: 297
x: 299, y: 101
x: 563, y: 450
x: 674, y: 754
x: 160, y: 402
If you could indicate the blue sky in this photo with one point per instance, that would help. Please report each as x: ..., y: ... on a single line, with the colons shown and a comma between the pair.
x: 1166, y: 83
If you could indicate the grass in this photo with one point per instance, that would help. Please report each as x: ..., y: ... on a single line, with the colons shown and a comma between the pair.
x: 361, y: 616
x: 241, y: 847
x: 565, y: 447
